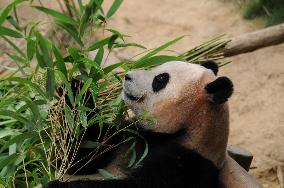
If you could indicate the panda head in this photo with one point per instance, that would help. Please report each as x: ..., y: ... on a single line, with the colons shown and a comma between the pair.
x: 173, y: 93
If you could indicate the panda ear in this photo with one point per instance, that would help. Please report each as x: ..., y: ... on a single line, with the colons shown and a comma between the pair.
x: 211, y: 65
x: 220, y: 90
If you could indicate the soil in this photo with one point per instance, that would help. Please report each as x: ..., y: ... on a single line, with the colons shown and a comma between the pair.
x: 257, y: 106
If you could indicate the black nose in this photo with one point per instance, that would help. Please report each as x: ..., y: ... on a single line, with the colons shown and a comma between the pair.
x: 127, y: 77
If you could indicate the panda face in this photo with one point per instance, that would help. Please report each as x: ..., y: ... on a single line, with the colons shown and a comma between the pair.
x: 167, y: 93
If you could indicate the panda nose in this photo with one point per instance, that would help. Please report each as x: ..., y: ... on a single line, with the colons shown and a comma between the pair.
x: 127, y: 77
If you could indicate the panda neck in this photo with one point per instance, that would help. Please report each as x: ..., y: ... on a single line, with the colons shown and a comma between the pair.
x: 207, y: 133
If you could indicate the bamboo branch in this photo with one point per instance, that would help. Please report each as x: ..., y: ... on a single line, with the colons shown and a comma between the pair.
x: 255, y: 40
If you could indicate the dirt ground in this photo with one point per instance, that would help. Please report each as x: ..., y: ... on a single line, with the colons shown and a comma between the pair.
x: 257, y: 107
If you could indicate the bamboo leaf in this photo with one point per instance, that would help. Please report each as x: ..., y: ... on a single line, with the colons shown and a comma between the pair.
x: 161, y: 48
x: 91, y: 9
x: 123, y: 45
x: 67, y: 85
x: 29, y: 83
x: 9, y: 113
x: 84, y: 90
x: 13, y: 45
x: 31, y: 42
x: 13, y: 22
x: 18, y: 139
x: 57, y: 15
x: 99, y: 44
x: 60, y: 64
x: 45, y: 45
x: 81, y: 6
x: 156, y: 60
x: 50, y: 83
x: 106, y: 175
x: 100, y: 55
x: 5, y: 12
x: 4, y: 31
x: 9, y: 160
x: 33, y: 107
x: 17, y: 58
x: 112, y: 67
x: 72, y: 31
x: 114, y: 8
x: 40, y: 59
x: 146, y: 149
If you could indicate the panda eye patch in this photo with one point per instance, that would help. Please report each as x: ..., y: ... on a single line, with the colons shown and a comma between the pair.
x: 160, y: 81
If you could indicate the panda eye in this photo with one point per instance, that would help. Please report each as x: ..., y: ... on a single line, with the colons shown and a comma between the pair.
x: 160, y: 81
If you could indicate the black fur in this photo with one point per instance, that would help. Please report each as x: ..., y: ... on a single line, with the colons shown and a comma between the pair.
x: 168, y: 165
x: 211, y: 65
x: 220, y: 90
x: 160, y: 82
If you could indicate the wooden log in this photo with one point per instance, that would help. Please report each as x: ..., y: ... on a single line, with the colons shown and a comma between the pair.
x: 255, y: 40
x: 241, y: 156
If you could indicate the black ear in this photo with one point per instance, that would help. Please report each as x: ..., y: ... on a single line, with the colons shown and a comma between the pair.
x: 220, y: 90
x: 211, y: 65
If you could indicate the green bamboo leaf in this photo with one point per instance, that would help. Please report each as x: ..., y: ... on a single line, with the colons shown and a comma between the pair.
x: 57, y: 15
x: 133, y: 157
x: 45, y: 45
x: 115, y: 32
x: 14, y: 115
x: 50, y: 83
x: 123, y: 45
x: 146, y: 149
x: 83, y: 119
x: 100, y: 55
x: 13, y: 45
x: 72, y: 31
x: 74, y: 53
x: 114, y: 8
x: 99, y: 44
x: 91, y: 9
x: 13, y: 22
x: 31, y: 42
x: 4, y: 31
x: 69, y: 117
x: 60, y: 64
x: 67, y: 86
x: 106, y: 175
x: 81, y: 6
x: 18, y: 139
x: 5, y: 12
x: 112, y: 40
x: 156, y: 60
x: 31, y: 47
x: 7, y: 132
x: 84, y: 90
x: 161, y: 48
x: 29, y: 83
x: 40, y: 59
x: 17, y: 58
x: 112, y: 67
x: 96, y: 71
x: 9, y: 160
x: 33, y: 107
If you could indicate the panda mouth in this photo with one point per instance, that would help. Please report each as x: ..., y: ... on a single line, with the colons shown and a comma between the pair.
x: 133, y: 98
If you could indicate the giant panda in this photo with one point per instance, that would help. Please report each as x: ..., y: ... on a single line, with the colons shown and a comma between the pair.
x: 188, y: 139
